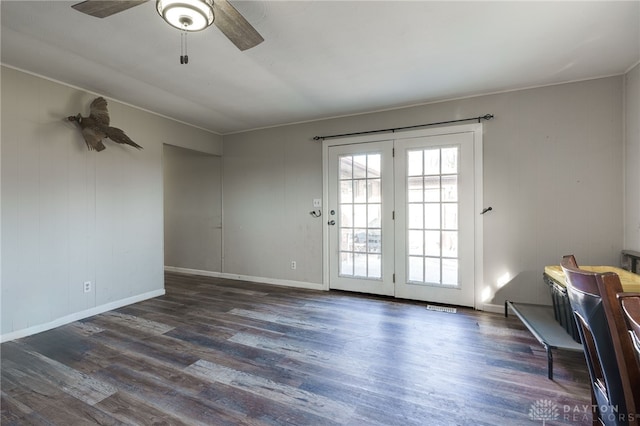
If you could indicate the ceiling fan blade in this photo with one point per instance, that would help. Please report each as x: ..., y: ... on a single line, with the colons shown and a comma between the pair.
x: 234, y: 26
x: 102, y: 8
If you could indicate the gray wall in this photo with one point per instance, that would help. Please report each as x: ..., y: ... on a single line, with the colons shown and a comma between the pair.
x: 270, y: 180
x: 553, y: 173
x: 192, y: 209
x: 632, y: 160
x: 70, y: 215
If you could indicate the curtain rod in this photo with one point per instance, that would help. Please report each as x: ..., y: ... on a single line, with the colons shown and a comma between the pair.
x: 482, y: 117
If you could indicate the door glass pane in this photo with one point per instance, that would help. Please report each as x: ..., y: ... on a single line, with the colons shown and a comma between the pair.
x: 360, y: 191
x: 375, y: 266
x: 346, y: 191
x: 431, y: 161
x: 415, y: 189
x: 450, y: 272
x: 346, y: 240
x: 360, y: 240
x: 450, y: 216
x: 449, y: 160
x: 373, y: 190
x: 432, y: 270
x: 373, y: 241
x: 414, y: 163
x: 415, y: 216
x: 432, y: 234
x: 346, y: 263
x: 432, y: 243
x: 416, y: 269
x: 345, y: 168
x: 360, y: 216
x: 373, y: 165
x: 432, y: 216
x: 416, y: 242
x: 374, y: 216
x: 346, y: 215
x: 432, y: 188
x: 359, y: 166
x: 450, y: 243
x: 450, y: 188
x: 360, y: 265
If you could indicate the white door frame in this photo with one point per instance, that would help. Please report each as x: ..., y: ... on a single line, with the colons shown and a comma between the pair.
x: 476, y: 129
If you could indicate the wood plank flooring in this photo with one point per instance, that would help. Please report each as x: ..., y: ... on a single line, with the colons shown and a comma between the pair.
x: 222, y: 352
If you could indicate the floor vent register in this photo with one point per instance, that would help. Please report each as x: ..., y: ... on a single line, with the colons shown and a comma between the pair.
x: 442, y: 309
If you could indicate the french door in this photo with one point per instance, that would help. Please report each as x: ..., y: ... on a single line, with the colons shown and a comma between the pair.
x: 360, y: 217
x: 402, y: 215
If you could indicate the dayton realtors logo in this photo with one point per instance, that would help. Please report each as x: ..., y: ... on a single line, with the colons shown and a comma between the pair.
x: 545, y: 410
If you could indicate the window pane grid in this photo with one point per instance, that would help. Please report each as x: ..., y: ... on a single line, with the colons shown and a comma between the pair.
x: 360, y: 216
x: 432, y: 216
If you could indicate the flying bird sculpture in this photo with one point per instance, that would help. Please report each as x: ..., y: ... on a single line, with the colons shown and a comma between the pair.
x: 96, y: 127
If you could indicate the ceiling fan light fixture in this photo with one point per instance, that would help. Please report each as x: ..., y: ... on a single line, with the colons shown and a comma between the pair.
x: 186, y: 15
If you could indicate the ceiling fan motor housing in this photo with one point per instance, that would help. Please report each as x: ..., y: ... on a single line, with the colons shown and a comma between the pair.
x: 186, y: 15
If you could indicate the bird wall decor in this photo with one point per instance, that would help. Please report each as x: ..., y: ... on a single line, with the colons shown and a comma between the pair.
x: 96, y: 127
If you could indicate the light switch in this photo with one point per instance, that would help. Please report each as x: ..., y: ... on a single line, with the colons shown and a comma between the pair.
x: 317, y: 202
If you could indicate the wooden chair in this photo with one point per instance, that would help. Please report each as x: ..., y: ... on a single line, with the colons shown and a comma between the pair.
x: 607, y: 345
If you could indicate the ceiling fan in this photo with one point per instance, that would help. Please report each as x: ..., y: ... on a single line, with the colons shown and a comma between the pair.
x: 186, y: 15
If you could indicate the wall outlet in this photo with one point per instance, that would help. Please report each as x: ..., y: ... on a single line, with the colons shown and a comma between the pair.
x: 87, y: 286
x: 317, y: 203
x: 293, y: 264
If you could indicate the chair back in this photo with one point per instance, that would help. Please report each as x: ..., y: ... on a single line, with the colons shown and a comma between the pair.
x: 607, y: 345
x: 630, y: 303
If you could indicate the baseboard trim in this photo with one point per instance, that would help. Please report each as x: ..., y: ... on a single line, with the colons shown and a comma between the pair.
x: 238, y: 277
x: 79, y: 315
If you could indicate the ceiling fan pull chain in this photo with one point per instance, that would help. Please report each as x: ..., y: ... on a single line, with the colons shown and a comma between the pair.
x: 186, y: 54
x: 184, y: 58
x: 182, y: 47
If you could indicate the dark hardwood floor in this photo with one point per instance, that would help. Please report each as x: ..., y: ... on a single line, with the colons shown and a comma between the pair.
x: 222, y: 352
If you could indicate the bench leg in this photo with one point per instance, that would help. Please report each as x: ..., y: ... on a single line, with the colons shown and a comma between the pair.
x: 549, y: 362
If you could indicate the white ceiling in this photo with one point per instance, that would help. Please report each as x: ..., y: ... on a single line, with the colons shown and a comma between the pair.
x: 321, y: 58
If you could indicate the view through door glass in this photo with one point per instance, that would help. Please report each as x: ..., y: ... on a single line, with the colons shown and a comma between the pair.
x: 432, y: 187
x: 360, y: 213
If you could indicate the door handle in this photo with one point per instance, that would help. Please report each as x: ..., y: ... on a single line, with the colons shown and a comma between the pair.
x: 331, y: 222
